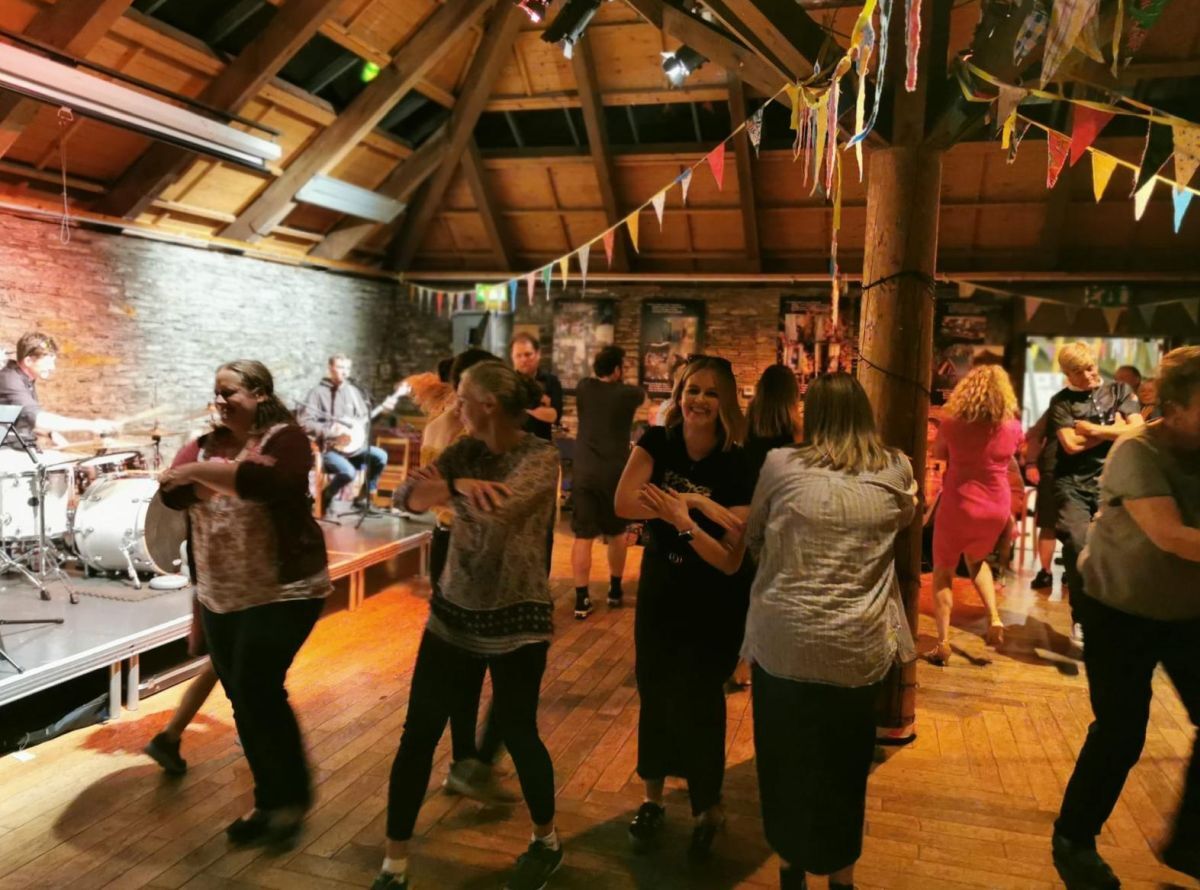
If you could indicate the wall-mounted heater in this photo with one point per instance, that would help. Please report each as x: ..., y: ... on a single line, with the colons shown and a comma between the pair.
x: 53, y: 82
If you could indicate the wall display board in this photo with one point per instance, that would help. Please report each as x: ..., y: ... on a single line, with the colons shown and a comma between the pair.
x: 581, y: 329
x: 670, y: 329
x: 810, y: 342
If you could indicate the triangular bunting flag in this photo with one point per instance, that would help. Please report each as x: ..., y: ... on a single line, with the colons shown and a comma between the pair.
x: 1067, y: 20
x: 530, y: 286
x: 1187, y: 151
x: 1057, y: 147
x: 1032, y: 305
x: 1112, y: 315
x: 1142, y: 197
x: 1022, y: 129
x: 1088, y: 42
x: 754, y: 129
x: 1088, y: 122
x: 1147, y: 314
x: 716, y: 161
x: 1143, y: 14
x: 610, y: 240
x: 1071, y: 311
x: 631, y: 223
x: 564, y: 268
x: 547, y: 277
x: 584, y: 253
x: 512, y: 295
x: 685, y: 182
x: 441, y: 299
x: 659, y: 201
x: 1007, y: 100
x: 1159, y: 145
x: 1102, y: 170
x: 1192, y: 308
x: 1032, y: 29
x: 1181, y: 198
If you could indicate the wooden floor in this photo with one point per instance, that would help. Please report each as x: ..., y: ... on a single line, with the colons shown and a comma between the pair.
x: 969, y: 804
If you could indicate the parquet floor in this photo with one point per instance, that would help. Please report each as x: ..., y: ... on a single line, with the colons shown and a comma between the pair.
x: 969, y: 804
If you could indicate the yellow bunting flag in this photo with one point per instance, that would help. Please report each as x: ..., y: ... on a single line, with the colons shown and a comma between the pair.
x: 1103, y: 167
x: 822, y: 138
x: 631, y: 223
x: 564, y: 267
x: 1142, y: 197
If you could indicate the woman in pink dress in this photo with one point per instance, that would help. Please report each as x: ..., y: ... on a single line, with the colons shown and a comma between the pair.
x: 979, y: 438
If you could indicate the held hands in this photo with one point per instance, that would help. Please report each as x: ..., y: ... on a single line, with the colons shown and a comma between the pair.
x: 1085, y: 428
x: 667, y: 505
x: 714, y: 511
x: 482, y: 495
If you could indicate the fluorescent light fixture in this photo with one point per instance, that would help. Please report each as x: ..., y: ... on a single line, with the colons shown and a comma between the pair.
x: 333, y: 194
x: 52, y: 82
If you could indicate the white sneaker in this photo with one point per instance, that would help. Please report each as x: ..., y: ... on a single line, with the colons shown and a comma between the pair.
x: 476, y: 780
x: 1077, y: 634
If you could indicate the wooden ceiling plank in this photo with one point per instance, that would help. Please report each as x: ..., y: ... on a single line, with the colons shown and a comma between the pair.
x: 74, y: 26
x: 490, y: 57
x: 415, y: 59
x: 485, y: 202
x: 161, y: 164
x: 587, y: 83
x: 780, y: 29
x: 745, y: 175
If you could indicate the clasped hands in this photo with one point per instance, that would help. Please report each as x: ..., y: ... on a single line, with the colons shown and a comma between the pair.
x: 673, y: 507
x: 481, y: 494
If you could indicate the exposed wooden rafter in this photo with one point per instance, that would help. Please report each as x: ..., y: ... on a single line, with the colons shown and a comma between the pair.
x: 745, y: 174
x: 485, y: 202
x: 584, y: 66
x: 241, y: 81
x: 780, y: 30
x: 426, y: 47
x: 400, y: 184
x: 74, y: 26
x: 489, y: 57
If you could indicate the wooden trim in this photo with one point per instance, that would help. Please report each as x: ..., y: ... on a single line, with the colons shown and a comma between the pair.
x: 424, y: 50
x: 745, y: 173
x: 472, y: 168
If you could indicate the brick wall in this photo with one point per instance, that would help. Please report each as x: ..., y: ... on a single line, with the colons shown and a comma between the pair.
x: 142, y: 325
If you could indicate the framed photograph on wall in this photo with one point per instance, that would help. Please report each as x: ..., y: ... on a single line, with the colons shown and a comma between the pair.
x: 965, y: 333
x: 581, y: 328
x: 671, y: 330
x: 810, y: 343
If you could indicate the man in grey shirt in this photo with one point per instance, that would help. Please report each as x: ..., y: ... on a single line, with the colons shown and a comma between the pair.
x: 1140, y: 607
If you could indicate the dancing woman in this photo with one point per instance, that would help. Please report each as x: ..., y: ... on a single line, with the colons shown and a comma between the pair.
x: 490, y: 612
x: 261, y: 572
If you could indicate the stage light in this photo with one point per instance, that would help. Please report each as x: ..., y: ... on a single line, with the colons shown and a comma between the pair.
x: 535, y: 9
x: 681, y: 63
x: 569, y: 25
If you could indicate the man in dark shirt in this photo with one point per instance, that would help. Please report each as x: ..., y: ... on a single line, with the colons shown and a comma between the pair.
x: 37, y: 357
x: 544, y: 412
x: 606, y: 407
x: 1086, y: 418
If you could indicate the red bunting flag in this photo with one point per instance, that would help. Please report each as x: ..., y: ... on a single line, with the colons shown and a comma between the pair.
x: 1058, y: 147
x: 1088, y: 122
x: 716, y: 160
x: 610, y: 238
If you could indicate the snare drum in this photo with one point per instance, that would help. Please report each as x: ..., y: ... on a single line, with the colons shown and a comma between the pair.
x: 18, y: 495
x: 113, y: 463
x: 122, y: 515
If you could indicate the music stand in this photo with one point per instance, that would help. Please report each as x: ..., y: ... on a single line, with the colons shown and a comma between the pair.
x: 8, y: 416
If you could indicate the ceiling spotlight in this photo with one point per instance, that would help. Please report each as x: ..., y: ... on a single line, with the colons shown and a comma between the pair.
x: 568, y: 26
x: 535, y: 9
x: 679, y: 64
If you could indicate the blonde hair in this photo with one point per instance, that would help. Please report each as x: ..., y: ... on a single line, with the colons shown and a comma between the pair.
x: 839, y: 428
x: 1075, y: 357
x: 985, y: 395
x: 729, y: 412
x: 1178, y: 377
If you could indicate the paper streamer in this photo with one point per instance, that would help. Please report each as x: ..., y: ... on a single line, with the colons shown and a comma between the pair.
x: 716, y: 161
x: 1057, y: 149
x: 584, y: 253
x: 865, y: 51
x: 1067, y: 20
x: 885, y: 15
x: 912, y: 41
x: 831, y: 133
x: 659, y: 201
x: 631, y: 223
x: 1088, y: 122
x: 1180, y: 198
x: 1142, y: 197
x: 1103, y: 167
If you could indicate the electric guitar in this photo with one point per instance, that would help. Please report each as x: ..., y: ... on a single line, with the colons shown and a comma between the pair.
x: 355, y: 434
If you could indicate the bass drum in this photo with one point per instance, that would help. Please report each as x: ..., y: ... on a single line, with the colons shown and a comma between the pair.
x: 124, y: 515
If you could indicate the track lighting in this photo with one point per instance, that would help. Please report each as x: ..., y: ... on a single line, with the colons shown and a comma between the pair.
x: 679, y: 64
x: 569, y: 25
x: 535, y: 9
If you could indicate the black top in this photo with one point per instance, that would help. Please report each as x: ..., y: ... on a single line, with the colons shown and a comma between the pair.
x: 553, y: 388
x: 1101, y: 406
x: 722, y: 476
x: 605, y: 416
x: 18, y: 388
x: 757, y: 449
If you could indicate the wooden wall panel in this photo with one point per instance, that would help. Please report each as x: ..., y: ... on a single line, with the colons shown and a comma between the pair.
x: 576, y: 186
x: 1011, y: 226
x: 537, y: 234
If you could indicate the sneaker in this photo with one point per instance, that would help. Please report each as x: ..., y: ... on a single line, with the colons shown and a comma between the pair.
x: 583, y: 606
x: 1043, y: 580
x: 1077, y: 634
x: 388, y: 881
x: 165, y: 752
x: 535, y: 866
x: 615, y: 598
x: 475, y: 779
x: 646, y: 826
x: 1182, y: 857
x: 1080, y: 867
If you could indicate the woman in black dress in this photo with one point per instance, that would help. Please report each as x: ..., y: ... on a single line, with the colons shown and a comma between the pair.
x: 773, y: 418
x: 690, y: 480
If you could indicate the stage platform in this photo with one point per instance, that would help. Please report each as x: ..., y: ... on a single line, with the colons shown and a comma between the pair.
x: 113, y: 624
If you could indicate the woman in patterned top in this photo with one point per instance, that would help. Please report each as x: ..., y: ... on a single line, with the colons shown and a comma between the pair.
x: 491, y: 611
x: 690, y: 480
x: 825, y: 626
x: 259, y: 564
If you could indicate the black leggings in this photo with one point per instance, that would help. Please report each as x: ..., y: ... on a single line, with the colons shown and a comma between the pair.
x: 251, y: 650
x: 444, y: 677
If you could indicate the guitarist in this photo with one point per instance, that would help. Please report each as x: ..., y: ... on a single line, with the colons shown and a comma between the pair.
x: 336, y: 413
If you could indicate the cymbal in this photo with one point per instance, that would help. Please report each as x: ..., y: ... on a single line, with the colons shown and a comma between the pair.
x: 108, y: 443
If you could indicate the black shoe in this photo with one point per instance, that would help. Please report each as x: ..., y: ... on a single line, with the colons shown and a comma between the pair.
x: 1080, y: 867
x: 791, y: 879
x: 386, y: 881
x: 259, y: 829
x: 535, y: 866
x: 833, y: 885
x: 583, y: 606
x: 165, y: 752
x: 703, y: 835
x: 646, y: 826
x: 1182, y: 857
x: 1042, y: 580
x: 615, y: 598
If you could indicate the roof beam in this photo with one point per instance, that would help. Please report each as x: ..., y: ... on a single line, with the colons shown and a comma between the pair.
x: 73, y: 26
x: 780, y: 30
x: 161, y: 164
x: 400, y: 184
x: 472, y: 167
x: 745, y: 175
x: 489, y: 57
x: 588, y: 85
x: 422, y: 51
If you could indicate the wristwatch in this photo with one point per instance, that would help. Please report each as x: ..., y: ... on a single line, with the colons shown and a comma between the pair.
x: 687, y: 534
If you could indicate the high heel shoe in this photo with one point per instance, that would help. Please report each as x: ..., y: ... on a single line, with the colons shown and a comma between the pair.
x: 995, y: 634
x: 940, y: 653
